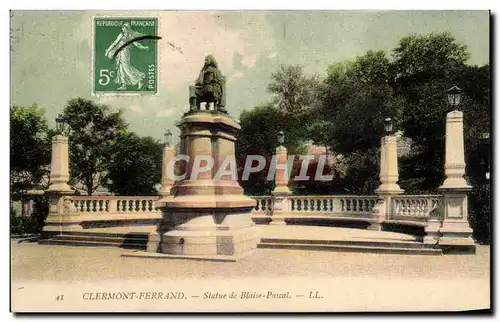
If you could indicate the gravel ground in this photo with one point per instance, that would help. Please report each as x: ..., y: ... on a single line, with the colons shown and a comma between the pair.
x: 48, y: 278
x: 30, y: 261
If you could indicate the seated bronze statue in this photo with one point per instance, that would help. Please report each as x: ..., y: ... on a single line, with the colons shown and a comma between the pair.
x: 210, y: 87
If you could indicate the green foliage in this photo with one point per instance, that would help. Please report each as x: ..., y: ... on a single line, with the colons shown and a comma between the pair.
x: 480, y: 211
x: 29, y: 150
x: 258, y: 136
x: 292, y: 90
x: 320, y: 132
x: 135, y: 166
x: 33, y: 224
x: 429, y: 57
x: 94, y: 130
x: 356, y: 98
x: 296, y: 96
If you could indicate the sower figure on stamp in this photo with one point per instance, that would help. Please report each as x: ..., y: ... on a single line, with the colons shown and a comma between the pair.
x: 210, y: 87
x: 126, y: 74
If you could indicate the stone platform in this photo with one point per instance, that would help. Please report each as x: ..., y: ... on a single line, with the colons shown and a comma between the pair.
x: 335, y: 239
x: 290, y: 237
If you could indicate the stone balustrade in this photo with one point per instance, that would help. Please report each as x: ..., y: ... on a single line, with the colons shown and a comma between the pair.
x: 402, y: 207
x: 115, y: 204
x: 265, y: 204
x: 333, y: 204
x: 417, y: 207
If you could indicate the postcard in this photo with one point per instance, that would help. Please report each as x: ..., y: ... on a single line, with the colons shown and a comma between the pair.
x: 250, y: 161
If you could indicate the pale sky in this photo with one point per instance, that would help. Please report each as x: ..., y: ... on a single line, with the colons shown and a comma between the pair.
x: 51, y: 53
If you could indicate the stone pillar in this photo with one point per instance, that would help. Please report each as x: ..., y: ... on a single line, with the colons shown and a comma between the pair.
x: 166, y: 182
x: 389, y: 175
x: 206, y: 217
x: 62, y: 213
x: 281, y: 190
x: 281, y: 174
x: 454, y: 231
x: 454, y: 166
x: 59, y: 164
x: 281, y: 207
x: 154, y: 237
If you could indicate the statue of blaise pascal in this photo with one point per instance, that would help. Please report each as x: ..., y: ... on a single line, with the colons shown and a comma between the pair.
x: 210, y: 87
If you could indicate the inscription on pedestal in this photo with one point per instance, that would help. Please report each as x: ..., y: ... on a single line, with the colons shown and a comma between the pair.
x: 455, y: 207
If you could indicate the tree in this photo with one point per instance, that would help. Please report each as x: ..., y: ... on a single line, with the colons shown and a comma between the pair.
x: 94, y: 130
x: 295, y: 94
x: 29, y: 150
x: 259, y: 128
x: 356, y: 97
x: 135, y: 167
x: 424, y: 67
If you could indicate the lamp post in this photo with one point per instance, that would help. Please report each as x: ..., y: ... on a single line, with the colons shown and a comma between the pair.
x: 59, y: 165
x: 281, y: 137
x: 168, y: 138
x: 451, y: 228
x: 388, y: 162
x: 454, y: 167
x: 454, y: 94
x: 60, y: 210
x: 61, y: 125
x: 388, y: 125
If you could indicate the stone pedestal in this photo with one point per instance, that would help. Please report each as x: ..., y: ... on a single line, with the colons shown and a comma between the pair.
x: 452, y: 229
x: 455, y: 229
x: 166, y: 181
x: 432, y: 231
x: 389, y: 174
x: 380, y: 212
x: 206, y: 213
x: 454, y: 167
x: 62, y: 214
x: 59, y: 165
x: 281, y: 190
x: 281, y: 207
x: 281, y: 174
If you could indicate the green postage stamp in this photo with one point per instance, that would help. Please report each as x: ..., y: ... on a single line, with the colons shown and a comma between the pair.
x: 125, y: 56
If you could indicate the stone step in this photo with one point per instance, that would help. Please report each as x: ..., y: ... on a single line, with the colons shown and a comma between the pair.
x: 89, y: 240
x: 89, y: 243
x: 351, y: 248
x: 119, y: 239
x: 350, y: 242
x: 133, y: 235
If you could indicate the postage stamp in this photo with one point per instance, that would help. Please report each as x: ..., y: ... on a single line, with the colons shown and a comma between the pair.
x: 125, y: 56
